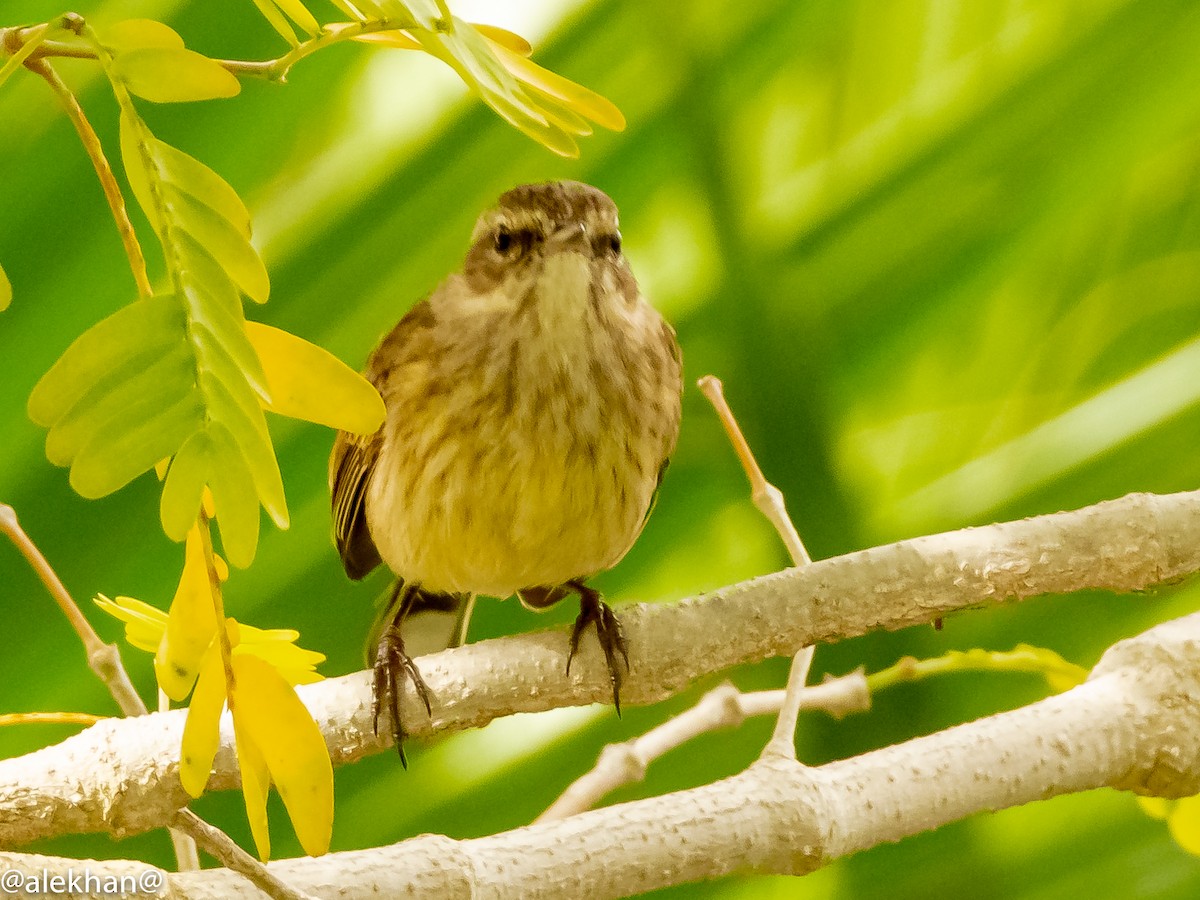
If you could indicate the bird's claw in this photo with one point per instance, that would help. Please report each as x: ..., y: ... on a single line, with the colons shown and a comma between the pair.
x: 392, y: 666
x: 592, y: 609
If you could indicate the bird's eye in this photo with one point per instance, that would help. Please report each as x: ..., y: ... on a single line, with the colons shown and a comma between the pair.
x: 504, y: 240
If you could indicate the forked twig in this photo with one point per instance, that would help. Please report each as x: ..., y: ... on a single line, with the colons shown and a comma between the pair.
x: 769, y: 500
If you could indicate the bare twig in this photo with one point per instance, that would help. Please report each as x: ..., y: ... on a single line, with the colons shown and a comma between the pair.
x: 769, y: 500
x: 49, y: 718
x: 219, y: 845
x: 723, y: 707
x: 122, y: 776
x: 95, y: 152
x: 767, y: 497
x: 104, y: 659
x: 269, y: 69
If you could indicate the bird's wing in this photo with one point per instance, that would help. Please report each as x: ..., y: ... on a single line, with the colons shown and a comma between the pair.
x: 354, y: 457
x: 350, y: 467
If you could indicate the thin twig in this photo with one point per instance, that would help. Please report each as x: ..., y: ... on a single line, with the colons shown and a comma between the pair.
x: 769, y: 500
x: 221, y: 847
x: 268, y: 69
x: 767, y: 497
x: 49, y: 718
x: 108, y: 181
x: 722, y: 707
x: 103, y: 659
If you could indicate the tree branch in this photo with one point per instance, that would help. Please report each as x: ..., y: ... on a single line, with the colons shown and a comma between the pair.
x: 781, y: 817
x: 122, y: 776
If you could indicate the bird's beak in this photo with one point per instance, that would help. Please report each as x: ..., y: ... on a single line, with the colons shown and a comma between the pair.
x: 573, y: 236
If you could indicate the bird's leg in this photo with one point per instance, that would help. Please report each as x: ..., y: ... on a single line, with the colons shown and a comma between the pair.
x: 393, y: 665
x: 593, y: 609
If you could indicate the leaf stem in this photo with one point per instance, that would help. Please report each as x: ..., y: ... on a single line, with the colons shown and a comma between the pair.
x: 108, y: 181
x: 268, y: 69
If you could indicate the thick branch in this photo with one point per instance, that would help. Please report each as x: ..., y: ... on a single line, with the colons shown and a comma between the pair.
x: 1134, y: 723
x: 122, y: 776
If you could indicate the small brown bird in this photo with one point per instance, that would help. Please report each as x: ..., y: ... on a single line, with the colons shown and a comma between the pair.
x: 533, y: 401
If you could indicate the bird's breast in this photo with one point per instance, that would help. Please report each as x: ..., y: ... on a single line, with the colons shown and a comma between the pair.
x: 524, y: 451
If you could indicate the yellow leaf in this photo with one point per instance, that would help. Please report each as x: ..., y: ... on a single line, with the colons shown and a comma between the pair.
x: 256, y: 779
x: 173, y: 75
x: 397, y: 40
x: 1184, y: 824
x: 191, y: 623
x: 5, y: 290
x: 307, y: 382
x: 202, y: 731
x: 504, y: 38
x: 297, y: 12
x: 277, y: 21
x: 574, y: 96
x: 136, y: 34
x: 268, y: 710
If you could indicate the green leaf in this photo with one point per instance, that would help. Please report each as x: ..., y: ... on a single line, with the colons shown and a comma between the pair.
x: 131, y: 442
x: 150, y: 378
x: 173, y: 75
x: 147, y: 326
x: 225, y: 244
x: 231, y: 484
x: 226, y: 329
x: 183, y: 488
x: 189, y: 175
x: 238, y: 409
x: 136, y: 145
x: 137, y: 34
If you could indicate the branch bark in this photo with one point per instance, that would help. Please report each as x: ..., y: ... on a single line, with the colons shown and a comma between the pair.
x: 121, y: 777
x: 781, y: 817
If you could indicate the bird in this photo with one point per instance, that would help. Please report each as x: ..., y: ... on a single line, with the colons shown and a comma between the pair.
x: 533, y: 402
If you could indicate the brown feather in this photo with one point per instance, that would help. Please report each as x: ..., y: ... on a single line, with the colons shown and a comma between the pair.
x: 354, y: 457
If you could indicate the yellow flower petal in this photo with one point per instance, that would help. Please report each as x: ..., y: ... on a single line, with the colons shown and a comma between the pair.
x: 256, y: 780
x: 144, y: 624
x: 274, y: 718
x: 201, y: 732
x: 307, y: 382
x: 5, y: 290
x: 191, y: 624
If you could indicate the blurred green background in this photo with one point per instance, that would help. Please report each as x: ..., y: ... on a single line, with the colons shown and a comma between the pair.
x: 945, y: 255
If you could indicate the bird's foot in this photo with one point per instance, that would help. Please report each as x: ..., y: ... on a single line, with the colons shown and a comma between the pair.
x: 393, y: 666
x: 593, y: 609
